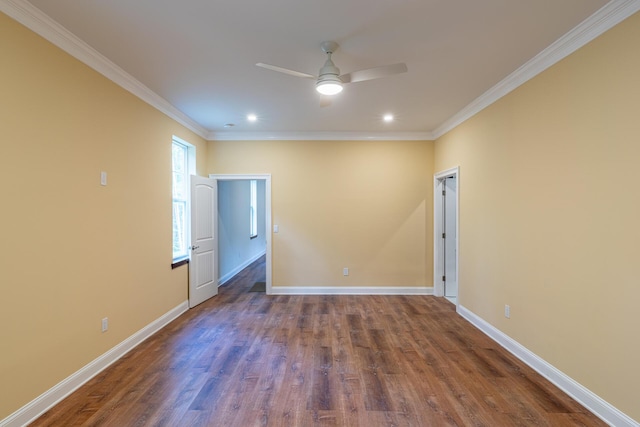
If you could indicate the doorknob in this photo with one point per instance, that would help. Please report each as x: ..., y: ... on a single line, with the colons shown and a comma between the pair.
x: 193, y: 248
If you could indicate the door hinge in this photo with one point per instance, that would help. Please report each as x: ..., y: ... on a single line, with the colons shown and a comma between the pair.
x: 444, y: 278
x: 444, y: 235
x: 444, y: 193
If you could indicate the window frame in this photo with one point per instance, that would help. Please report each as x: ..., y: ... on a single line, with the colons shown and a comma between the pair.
x: 188, y: 169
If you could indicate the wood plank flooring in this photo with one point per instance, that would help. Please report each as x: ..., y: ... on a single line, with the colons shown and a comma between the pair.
x: 248, y: 359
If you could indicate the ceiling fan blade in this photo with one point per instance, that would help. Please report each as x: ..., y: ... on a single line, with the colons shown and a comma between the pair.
x: 286, y: 71
x: 374, y: 73
x: 325, y: 100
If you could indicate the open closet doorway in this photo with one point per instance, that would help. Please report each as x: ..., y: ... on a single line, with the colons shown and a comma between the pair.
x: 244, y: 224
x: 446, y: 235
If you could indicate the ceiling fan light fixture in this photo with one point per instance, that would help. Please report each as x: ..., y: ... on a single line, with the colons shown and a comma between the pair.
x: 329, y: 85
x: 328, y: 82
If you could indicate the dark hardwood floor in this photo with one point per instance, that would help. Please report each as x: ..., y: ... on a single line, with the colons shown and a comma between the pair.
x: 248, y: 359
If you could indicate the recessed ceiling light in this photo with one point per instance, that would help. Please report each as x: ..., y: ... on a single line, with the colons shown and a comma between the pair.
x: 388, y: 118
x: 252, y: 117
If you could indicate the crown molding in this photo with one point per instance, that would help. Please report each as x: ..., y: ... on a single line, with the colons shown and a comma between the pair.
x: 38, y: 22
x: 607, y: 17
x: 320, y: 136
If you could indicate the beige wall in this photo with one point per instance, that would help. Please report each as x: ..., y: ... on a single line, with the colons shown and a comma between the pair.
x: 72, y: 251
x: 549, y: 211
x: 365, y: 205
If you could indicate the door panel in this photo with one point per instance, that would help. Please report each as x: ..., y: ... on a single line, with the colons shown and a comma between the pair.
x: 450, y: 241
x: 203, y: 265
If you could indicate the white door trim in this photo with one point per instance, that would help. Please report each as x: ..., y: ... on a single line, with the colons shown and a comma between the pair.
x: 267, y: 208
x: 438, y: 247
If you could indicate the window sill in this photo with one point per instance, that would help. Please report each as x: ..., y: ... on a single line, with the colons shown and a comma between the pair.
x: 179, y: 261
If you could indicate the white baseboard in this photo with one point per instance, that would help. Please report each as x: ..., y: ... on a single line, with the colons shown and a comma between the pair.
x: 51, y: 397
x: 224, y: 279
x: 583, y: 395
x: 338, y: 290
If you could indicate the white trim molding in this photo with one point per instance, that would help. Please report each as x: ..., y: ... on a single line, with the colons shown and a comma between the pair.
x: 41, y: 24
x: 607, y: 17
x: 320, y: 136
x: 54, y: 395
x: 577, y: 391
x: 438, y: 248
x: 267, y: 215
x: 354, y: 290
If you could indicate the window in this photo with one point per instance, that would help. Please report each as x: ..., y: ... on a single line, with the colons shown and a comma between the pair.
x: 253, y: 227
x: 182, y: 166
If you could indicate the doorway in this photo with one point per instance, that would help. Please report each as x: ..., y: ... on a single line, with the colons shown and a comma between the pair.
x: 446, y: 234
x: 232, y: 256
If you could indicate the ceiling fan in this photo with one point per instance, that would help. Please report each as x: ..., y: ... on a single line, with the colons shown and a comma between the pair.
x: 329, y: 81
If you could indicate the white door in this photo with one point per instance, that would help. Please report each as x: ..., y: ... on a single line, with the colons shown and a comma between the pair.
x: 449, y: 215
x: 203, y: 263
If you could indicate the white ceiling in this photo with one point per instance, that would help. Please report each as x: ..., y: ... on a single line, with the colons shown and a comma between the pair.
x: 200, y: 56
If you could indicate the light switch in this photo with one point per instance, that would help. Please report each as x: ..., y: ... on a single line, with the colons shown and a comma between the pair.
x: 276, y: 228
x: 103, y: 178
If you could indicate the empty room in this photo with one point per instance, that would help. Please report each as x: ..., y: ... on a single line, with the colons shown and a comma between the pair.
x: 354, y: 213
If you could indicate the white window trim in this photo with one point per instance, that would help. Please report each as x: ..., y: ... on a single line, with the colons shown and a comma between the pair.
x: 191, y: 170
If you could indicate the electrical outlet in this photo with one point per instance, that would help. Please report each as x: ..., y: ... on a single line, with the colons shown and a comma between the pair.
x: 105, y: 324
x: 345, y: 271
x: 507, y: 311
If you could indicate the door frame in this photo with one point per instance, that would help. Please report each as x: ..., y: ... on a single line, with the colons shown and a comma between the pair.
x: 438, y: 244
x: 267, y: 213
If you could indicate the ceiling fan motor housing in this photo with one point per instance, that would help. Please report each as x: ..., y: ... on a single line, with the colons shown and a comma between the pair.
x: 329, y: 71
x: 329, y: 67
x: 329, y: 82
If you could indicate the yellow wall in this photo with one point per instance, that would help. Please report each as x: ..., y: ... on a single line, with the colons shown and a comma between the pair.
x: 549, y: 210
x: 548, y: 213
x: 73, y: 251
x: 365, y: 205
